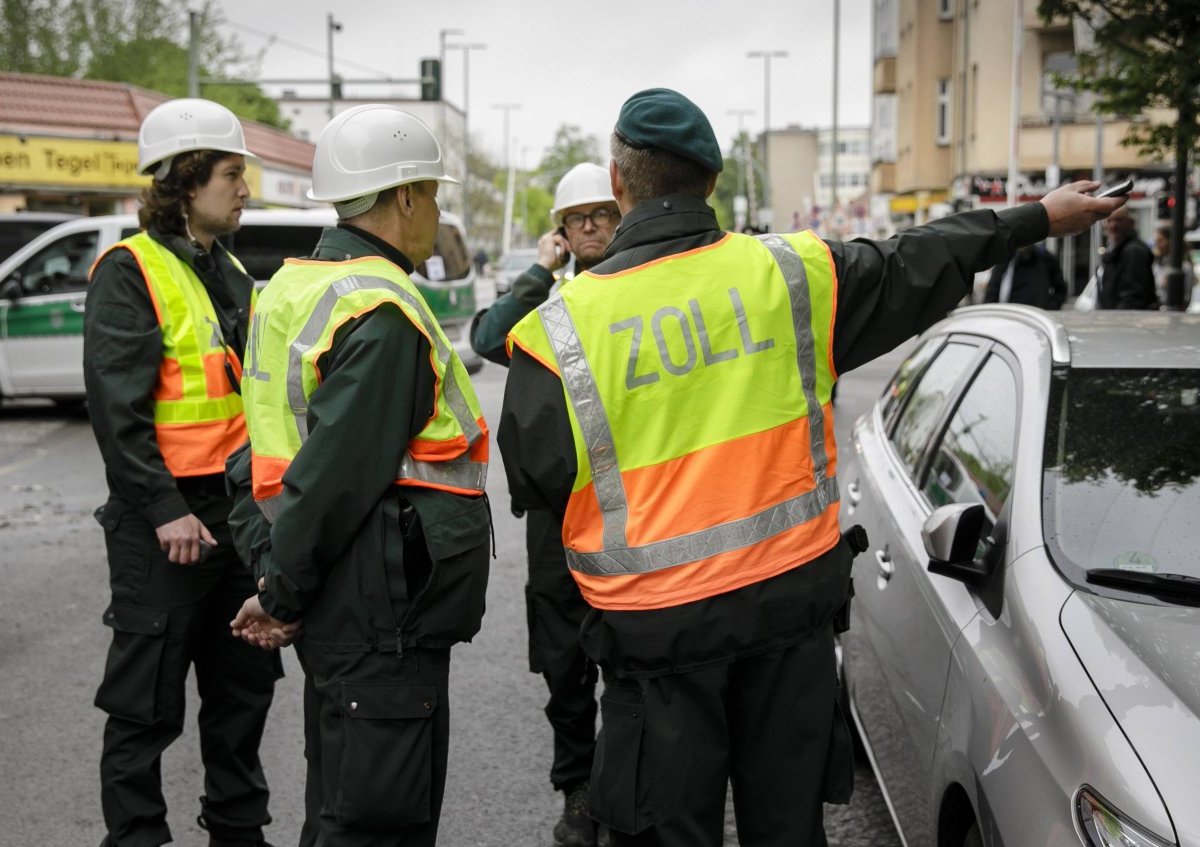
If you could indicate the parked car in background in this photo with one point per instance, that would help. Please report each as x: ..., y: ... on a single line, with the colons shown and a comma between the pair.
x: 19, y: 228
x: 43, y: 287
x: 1023, y: 661
x: 510, y: 266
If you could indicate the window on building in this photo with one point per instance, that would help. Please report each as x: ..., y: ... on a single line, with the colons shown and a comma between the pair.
x: 943, y: 111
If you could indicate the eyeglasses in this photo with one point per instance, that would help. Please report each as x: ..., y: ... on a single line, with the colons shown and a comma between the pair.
x: 598, y: 217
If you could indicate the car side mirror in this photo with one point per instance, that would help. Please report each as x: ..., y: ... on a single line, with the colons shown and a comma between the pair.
x: 951, y: 536
x: 10, y: 289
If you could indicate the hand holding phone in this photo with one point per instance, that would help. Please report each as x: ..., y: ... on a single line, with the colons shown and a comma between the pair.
x: 554, y: 250
x: 1118, y: 189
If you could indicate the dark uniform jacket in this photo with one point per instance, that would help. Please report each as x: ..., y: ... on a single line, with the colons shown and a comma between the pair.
x: 124, y: 348
x: 1128, y: 278
x: 368, y: 564
x: 1036, y: 281
x: 887, y: 291
x: 491, y: 326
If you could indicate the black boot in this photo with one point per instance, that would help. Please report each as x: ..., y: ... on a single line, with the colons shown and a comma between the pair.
x: 575, y: 828
x: 220, y: 836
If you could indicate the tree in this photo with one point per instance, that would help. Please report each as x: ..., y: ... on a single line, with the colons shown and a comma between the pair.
x: 570, y: 148
x: 1146, y: 55
x: 731, y: 182
x: 140, y: 42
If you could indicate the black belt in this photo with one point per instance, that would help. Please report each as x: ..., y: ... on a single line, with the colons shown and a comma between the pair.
x: 211, y: 485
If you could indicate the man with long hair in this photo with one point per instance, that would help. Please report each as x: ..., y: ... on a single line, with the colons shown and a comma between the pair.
x: 167, y: 315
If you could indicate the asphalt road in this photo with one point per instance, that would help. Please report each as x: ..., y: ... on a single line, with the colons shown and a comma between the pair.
x: 52, y: 650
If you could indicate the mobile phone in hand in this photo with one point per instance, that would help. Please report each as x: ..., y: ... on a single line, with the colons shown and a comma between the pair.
x: 1119, y: 189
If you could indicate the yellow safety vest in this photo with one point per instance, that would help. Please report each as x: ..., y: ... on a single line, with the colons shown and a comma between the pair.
x: 197, y: 412
x: 698, y: 388
x: 300, y: 312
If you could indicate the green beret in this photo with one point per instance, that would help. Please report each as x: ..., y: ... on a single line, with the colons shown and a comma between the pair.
x: 666, y: 120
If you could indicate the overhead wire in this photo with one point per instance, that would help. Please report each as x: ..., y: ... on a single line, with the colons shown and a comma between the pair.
x: 273, y: 38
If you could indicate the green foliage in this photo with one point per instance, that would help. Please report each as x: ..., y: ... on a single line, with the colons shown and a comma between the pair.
x: 140, y: 42
x: 534, y: 202
x: 1146, y: 55
x: 729, y: 181
x: 570, y: 148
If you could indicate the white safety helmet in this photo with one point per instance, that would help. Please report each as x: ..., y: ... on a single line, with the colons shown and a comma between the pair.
x: 185, y: 125
x: 369, y: 148
x: 585, y: 183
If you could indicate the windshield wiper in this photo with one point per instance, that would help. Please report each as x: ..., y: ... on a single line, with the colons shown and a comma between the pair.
x: 1175, y: 587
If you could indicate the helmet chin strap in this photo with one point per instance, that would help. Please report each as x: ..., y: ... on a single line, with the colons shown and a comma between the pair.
x: 164, y: 168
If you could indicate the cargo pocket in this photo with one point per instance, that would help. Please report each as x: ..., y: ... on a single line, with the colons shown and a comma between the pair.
x: 130, y: 686
x: 838, y: 781
x: 618, y: 797
x: 386, y: 768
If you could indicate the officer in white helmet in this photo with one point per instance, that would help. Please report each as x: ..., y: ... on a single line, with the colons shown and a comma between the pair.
x: 587, y: 217
x: 166, y: 323
x: 368, y: 457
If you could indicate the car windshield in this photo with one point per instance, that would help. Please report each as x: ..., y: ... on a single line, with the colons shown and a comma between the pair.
x: 1122, y: 471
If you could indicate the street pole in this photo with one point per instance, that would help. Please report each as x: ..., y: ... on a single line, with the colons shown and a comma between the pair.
x: 467, y: 48
x: 766, y: 56
x: 506, y: 234
x: 740, y: 148
x: 333, y: 26
x: 193, y: 54
x: 1014, y: 117
x: 834, y: 146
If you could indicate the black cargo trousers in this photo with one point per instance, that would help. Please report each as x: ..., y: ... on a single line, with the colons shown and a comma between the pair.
x: 166, y: 617
x: 555, y: 611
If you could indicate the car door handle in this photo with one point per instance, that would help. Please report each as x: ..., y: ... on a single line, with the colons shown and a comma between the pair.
x: 77, y: 306
x: 854, y: 492
x: 886, y: 568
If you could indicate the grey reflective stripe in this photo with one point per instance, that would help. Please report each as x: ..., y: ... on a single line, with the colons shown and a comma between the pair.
x: 312, y: 330
x: 456, y: 473
x: 269, y: 507
x: 792, y: 266
x: 697, y: 546
x: 617, y: 557
x: 593, y: 421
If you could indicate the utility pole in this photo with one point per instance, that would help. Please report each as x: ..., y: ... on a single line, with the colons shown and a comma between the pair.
x: 193, y: 54
x: 1014, y: 116
x: 334, y: 85
x: 743, y: 171
x: 766, y: 56
x: 466, y: 48
x: 442, y: 70
x: 506, y: 235
x: 833, y: 149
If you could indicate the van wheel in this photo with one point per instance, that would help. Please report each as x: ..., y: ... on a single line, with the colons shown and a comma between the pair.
x: 71, y: 406
x: 973, y: 837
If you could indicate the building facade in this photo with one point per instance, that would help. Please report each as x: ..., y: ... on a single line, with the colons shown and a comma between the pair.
x: 70, y: 145
x: 800, y: 164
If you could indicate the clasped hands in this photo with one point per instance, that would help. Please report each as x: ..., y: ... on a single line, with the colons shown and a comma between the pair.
x: 254, y: 626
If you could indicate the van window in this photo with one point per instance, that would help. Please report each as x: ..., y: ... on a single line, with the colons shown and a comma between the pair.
x: 15, y: 233
x: 60, y: 266
x: 450, y: 247
x: 262, y: 249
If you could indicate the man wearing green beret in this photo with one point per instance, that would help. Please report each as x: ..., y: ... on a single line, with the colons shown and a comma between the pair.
x: 674, y: 406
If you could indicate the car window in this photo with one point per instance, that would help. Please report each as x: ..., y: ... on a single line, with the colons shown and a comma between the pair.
x: 449, y: 260
x: 262, y: 249
x: 15, y: 233
x: 928, y: 401
x: 61, y: 265
x: 906, y: 376
x: 1122, y: 469
x: 973, y: 462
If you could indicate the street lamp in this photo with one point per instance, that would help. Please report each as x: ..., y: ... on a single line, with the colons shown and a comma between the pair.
x: 766, y: 56
x: 442, y: 71
x: 506, y: 234
x: 466, y: 48
x: 332, y: 27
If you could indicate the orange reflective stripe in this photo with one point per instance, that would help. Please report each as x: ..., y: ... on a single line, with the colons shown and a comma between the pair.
x: 834, y: 301
x: 170, y: 381
x: 428, y: 450
x: 512, y: 341
x: 198, y: 449
x: 718, y: 574
x: 697, y: 490
x: 215, y: 378
x: 671, y: 258
x: 267, y: 474
x: 418, y: 483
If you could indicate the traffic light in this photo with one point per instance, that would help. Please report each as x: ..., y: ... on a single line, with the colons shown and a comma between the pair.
x: 1166, y: 202
x: 431, y: 79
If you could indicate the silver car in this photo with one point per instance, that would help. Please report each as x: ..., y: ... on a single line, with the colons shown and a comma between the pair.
x: 1023, y: 662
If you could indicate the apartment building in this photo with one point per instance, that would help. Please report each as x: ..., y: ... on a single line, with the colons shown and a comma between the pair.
x: 800, y: 167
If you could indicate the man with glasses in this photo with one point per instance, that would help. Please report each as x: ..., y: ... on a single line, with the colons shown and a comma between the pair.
x: 588, y: 217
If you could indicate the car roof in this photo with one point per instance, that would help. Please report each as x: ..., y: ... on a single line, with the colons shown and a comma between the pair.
x: 37, y: 216
x: 1098, y: 339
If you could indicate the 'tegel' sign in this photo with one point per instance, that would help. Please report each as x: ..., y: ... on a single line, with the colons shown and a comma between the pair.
x: 68, y: 161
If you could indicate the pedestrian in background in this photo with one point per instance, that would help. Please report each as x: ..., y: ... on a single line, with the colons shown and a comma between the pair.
x: 587, y: 216
x: 1162, y: 255
x: 1126, y: 278
x: 166, y: 319
x: 1032, y: 277
x: 368, y: 455
x: 673, y: 403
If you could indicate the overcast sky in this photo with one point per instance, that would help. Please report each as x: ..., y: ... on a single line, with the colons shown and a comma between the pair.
x: 576, y: 63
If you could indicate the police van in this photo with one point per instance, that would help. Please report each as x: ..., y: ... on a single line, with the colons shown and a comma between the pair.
x: 43, y: 285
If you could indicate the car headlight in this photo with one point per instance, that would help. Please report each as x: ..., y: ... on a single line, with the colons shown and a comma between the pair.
x: 1103, y: 826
